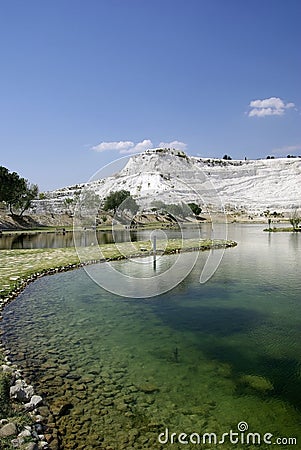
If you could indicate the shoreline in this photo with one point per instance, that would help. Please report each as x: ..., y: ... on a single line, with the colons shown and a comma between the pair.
x: 48, y: 224
x: 48, y: 436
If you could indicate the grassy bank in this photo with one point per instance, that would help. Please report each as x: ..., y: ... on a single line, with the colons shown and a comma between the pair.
x: 17, y: 266
x: 282, y: 229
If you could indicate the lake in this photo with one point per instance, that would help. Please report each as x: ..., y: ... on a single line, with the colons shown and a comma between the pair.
x: 201, y: 358
x: 59, y: 239
x: 50, y: 239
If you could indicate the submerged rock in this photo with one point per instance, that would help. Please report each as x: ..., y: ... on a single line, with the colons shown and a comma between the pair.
x: 148, y: 388
x: 257, y: 382
x: 60, y: 408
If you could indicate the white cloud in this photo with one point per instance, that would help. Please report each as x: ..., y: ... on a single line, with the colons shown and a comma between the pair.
x: 124, y: 147
x: 290, y: 105
x: 128, y: 147
x: 178, y: 145
x: 272, y: 106
x: 139, y: 147
x: 121, y: 145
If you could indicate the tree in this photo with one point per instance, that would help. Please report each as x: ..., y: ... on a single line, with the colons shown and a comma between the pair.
x: 30, y: 193
x: 115, y: 199
x: 295, y: 219
x: 88, y: 203
x: 16, y: 192
x: 157, y: 205
x: 227, y: 157
x: 130, y: 204
x: 195, y: 208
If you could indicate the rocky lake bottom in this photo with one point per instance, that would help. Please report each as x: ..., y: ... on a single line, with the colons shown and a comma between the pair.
x: 117, y: 372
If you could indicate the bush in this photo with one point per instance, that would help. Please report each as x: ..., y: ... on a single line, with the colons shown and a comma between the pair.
x: 195, y: 208
x: 5, y: 409
x: 115, y: 199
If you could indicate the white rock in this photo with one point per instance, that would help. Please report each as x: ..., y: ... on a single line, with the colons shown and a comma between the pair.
x: 8, y: 429
x: 39, y: 418
x: 21, y: 392
x: 25, y: 433
x: 34, y: 402
x: 17, y: 442
x: 31, y: 446
x: 6, y: 368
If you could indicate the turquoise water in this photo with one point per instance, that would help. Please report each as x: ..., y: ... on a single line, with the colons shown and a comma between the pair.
x: 200, y: 358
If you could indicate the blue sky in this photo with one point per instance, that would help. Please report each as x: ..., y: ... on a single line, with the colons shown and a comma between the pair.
x: 85, y: 82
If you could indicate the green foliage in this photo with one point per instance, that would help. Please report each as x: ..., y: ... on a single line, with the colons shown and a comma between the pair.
x: 89, y: 201
x: 181, y: 210
x: 130, y: 204
x: 157, y: 205
x: 227, y: 157
x: 176, y: 210
x: 68, y: 201
x: 195, y: 208
x: 115, y: 199
x: 30, y: 193
x: 16, y: 192
x: 4, y: 396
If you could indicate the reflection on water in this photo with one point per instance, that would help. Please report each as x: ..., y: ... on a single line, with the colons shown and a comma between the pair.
x: 200, y: 358
x: 55, y: 240
x: 85, y: 238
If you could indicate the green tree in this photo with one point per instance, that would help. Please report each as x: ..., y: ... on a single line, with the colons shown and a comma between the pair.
x: 116, y: 198
x: 4, y: 177
x: 195, y: 208
x: 30, y: 193
x: 157, y: 205
x: 130, y: 204
x: 16, y: 192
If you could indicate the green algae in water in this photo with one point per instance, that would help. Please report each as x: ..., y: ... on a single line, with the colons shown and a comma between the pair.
x: 107, y: 365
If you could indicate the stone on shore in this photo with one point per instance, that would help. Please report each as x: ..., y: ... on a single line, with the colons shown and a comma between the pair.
x: 9, y: 429
x: 34, y: 402
x: 21, y: 392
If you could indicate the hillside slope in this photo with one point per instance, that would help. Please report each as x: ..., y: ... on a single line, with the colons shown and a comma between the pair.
x: 171, y: 176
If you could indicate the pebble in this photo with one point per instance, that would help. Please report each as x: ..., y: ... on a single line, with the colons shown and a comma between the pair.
x: 25, y: 433
x: 35, y: 401
x: 32, y: 446
x: 17, y: 442
x: 8, y: 429
x: 23, y: 393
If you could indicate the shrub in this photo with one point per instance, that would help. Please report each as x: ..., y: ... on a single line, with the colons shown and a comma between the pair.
x: 5, y: 408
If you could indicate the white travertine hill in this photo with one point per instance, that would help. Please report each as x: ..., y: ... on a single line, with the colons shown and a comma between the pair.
x: 171, y: 176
